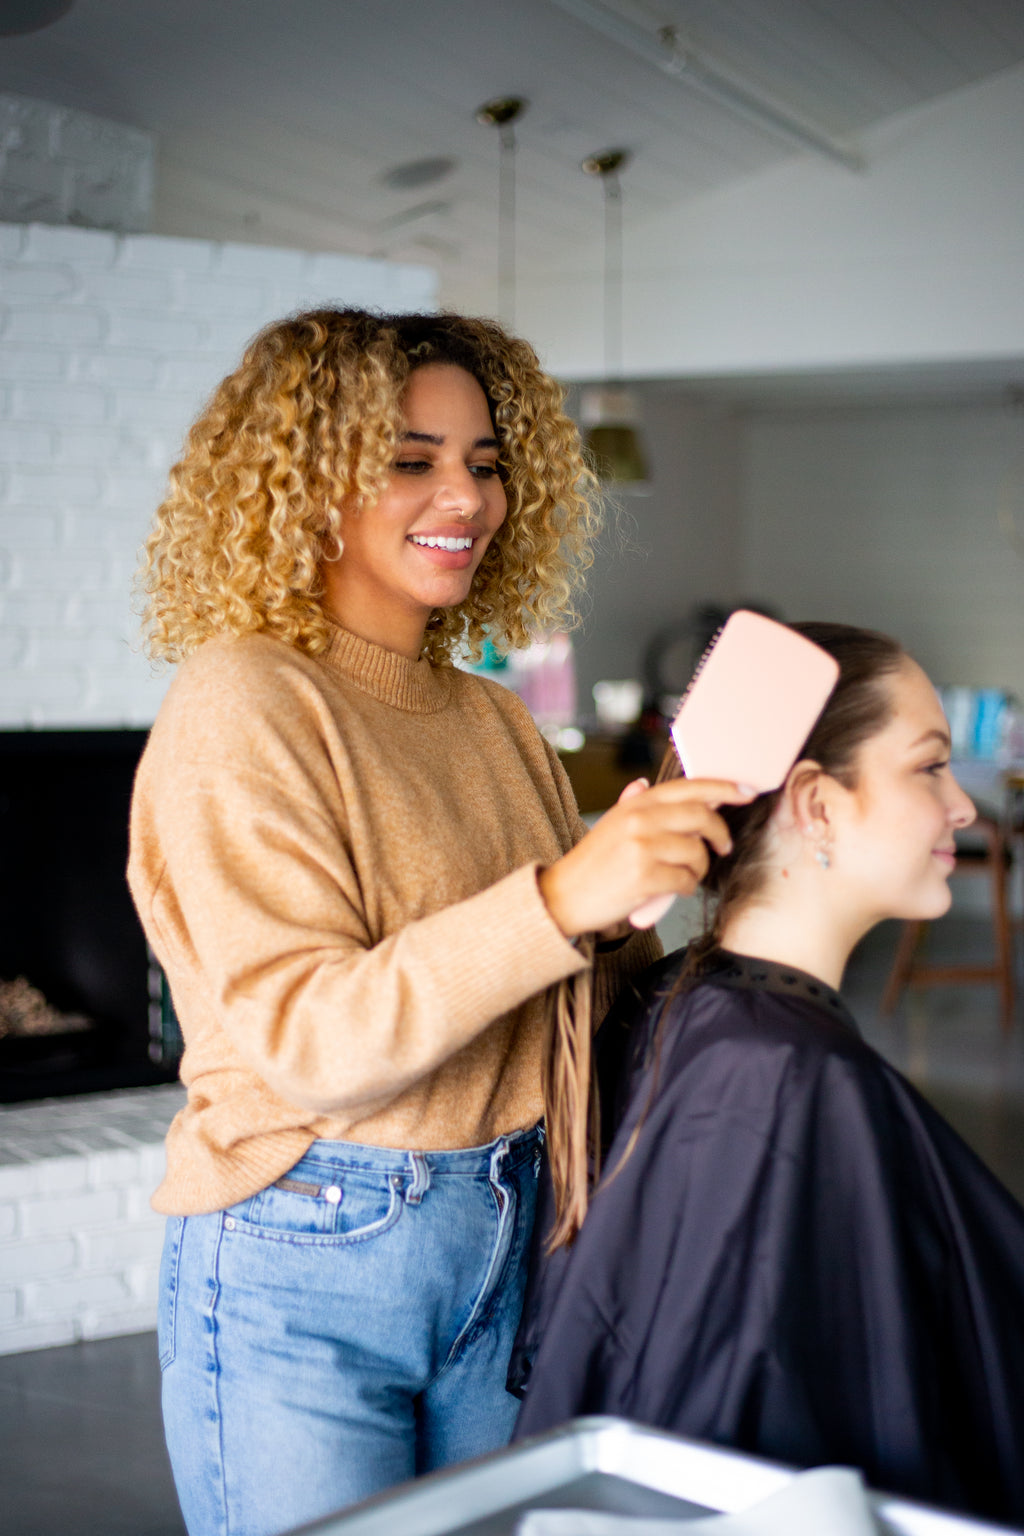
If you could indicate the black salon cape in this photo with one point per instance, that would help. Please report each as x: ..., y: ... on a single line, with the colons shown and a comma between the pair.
x: 800, y: 1259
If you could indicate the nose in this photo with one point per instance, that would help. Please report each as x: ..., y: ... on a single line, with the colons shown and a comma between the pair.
x: 458, y: 491
x: 962, y: 810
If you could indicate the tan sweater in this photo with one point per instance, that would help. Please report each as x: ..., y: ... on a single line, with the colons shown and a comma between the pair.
x: 335, y: 861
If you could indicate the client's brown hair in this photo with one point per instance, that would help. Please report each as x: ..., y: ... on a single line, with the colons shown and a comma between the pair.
x: 858, y: 708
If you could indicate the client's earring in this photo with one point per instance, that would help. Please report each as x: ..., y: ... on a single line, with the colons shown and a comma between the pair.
x: 822, y: 847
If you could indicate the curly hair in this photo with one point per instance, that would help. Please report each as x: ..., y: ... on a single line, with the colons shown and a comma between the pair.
x: 312, y: 418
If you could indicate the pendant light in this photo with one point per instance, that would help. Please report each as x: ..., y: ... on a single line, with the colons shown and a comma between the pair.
x: 609, y: 413
x: 503, y: 114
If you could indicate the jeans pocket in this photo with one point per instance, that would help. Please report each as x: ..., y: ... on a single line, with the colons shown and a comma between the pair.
x: 348, y: 1207
x: 167, y: 1296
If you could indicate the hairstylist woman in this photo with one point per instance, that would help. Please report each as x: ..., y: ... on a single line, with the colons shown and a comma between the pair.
x: 362, y: 870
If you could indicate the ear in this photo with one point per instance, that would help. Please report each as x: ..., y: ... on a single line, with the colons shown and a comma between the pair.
x: 806, y: 797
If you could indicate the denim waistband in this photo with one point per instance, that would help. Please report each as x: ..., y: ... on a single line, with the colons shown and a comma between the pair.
x: 505, y: 1152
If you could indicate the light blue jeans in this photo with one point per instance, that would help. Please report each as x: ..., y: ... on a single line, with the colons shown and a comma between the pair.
x: 343, y: 1330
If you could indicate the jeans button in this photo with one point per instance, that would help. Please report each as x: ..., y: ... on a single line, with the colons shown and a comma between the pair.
x: 229, y: 1223
x: 332, y: 1194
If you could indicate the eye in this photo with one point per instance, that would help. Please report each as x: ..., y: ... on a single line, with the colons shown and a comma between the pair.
x: 484, y: 471
x: 936, y: 768
x: 411, y: 466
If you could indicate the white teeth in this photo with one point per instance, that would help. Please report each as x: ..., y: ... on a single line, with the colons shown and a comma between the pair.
x: 434, y: 543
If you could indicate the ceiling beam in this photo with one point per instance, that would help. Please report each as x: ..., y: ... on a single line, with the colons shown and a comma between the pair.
x: 664, y: 50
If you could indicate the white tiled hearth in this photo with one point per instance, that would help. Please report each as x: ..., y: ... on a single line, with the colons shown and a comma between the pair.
x: 79, y: 1244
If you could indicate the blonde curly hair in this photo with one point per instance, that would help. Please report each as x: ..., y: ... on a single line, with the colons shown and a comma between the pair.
x: 311, y: 418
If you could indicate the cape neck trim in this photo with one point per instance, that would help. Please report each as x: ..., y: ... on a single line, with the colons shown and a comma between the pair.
x: 749, y: 975
x: 416, y: 686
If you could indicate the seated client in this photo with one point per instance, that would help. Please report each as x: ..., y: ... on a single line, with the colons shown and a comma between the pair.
x: 791, y: 1252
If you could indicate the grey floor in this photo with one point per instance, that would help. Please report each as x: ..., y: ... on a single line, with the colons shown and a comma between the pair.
x: 81, y: 1446
x: 81, y: 1450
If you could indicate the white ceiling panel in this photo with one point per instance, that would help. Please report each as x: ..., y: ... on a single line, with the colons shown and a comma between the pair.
x: 278, y: 123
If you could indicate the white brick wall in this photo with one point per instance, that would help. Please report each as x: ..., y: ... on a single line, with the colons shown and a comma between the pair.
x: 66, y: 167
x: 79, y: 1244
x: 108, y: 347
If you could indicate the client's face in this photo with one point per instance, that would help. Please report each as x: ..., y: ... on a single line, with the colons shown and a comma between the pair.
x: 894, y: 833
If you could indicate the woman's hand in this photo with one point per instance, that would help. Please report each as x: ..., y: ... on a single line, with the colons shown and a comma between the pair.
x: 653, y: 842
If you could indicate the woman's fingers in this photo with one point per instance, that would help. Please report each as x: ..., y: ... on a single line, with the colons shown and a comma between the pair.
x: 680, y: 806
x: 707, y: 791
x: 653, y: 842
x: 656, y: 815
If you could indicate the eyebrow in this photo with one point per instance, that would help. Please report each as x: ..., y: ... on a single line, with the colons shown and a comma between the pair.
x: 940, y: 736
x: 438, y: 441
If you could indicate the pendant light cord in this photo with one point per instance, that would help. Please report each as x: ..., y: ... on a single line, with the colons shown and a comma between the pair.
x: 612, y: 277
x: 507, y: 226
x: 502, y: 114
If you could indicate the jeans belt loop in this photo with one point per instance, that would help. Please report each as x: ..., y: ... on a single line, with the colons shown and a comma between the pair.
x: 420, y: 1169
x: 497, y: 1158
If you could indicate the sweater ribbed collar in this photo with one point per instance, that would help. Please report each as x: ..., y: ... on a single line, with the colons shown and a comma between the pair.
x: 416, y: 686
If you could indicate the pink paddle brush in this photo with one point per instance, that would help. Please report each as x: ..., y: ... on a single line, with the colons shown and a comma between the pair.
x: 751, y: 704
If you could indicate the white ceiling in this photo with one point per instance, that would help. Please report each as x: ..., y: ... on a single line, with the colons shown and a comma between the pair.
x: 279, y: 122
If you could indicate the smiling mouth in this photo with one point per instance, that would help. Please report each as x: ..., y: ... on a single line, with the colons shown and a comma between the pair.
x: 428, y: 541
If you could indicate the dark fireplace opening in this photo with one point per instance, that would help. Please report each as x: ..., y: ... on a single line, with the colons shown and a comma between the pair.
x: 83, y: 1005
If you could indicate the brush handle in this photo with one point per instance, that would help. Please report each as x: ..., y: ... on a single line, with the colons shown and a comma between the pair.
x: 651, y: 911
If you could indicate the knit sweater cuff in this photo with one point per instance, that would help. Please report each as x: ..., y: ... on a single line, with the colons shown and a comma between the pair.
x: 508, y: 949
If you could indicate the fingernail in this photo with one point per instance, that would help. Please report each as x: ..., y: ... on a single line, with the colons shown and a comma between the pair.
x: 747, y: 789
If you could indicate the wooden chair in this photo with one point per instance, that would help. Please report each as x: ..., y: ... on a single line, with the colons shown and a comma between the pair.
x: 984, y: 850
